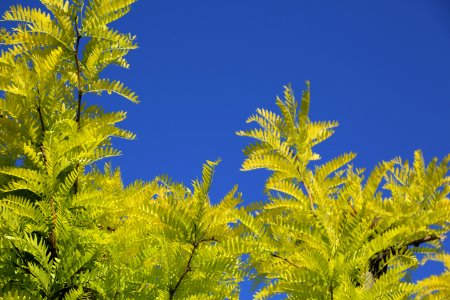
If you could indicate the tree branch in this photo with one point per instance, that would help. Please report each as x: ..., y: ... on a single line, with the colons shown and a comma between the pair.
x: 53, y: 239
x: 77, y: 63
x: 285, y: 260
x: 426, y: 239
x: 79, y: 89
x: 41, y: 118
x: 308, y: 193
x: 52, y: 236
x: 374, y: 263
x: 188, y: 268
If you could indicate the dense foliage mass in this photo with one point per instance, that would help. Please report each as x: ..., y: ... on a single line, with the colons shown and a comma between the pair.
x: 70, y: 229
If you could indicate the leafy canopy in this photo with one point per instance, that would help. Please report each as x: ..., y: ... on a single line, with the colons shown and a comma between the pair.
x: 70, y: 228
x: 330, y: 232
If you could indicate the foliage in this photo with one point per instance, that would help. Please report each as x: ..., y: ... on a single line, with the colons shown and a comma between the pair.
x: 327, y: 231
x: 70, y: 229
x: 200, y: 250
x: 53, y: 245
x: 437, y: 287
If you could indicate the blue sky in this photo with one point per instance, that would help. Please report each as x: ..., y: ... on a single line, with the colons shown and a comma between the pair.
x: 381, y: 68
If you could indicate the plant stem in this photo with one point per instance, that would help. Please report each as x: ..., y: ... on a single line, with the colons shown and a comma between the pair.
x: 374, y: 264
x: 187, y: 269
x: 79, y: 88
x: 52, y: 237
x: 77, y: 63
x: 41, y: 119
x: 285, y: 260
x: 53, y: 240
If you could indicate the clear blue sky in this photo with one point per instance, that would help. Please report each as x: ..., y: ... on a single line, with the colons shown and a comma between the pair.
x: 381, y: 68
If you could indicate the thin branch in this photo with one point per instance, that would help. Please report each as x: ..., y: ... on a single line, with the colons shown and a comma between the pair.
x: 188, y: 268
x: 374, y: 263
x: 77, y: 63
x: 41, y: 119
x: 311, y: 200
x: 308, y: 193
x: 52, y: 237
x: 285, y: 260
x: 53, y: 240
x: 79, y: 88
x: 426, y: 239
x: 39, y: 110
x: 354, y: 212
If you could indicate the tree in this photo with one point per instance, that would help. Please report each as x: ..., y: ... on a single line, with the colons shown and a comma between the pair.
x: 54, y: 219
x: 71, y: 229
x: 327, y: 232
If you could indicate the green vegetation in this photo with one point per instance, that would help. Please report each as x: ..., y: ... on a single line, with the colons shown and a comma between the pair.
x: 70, y: 229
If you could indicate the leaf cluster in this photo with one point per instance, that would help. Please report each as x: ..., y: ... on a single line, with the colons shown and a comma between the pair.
x: 70, y: 228
x: 328, y: 231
